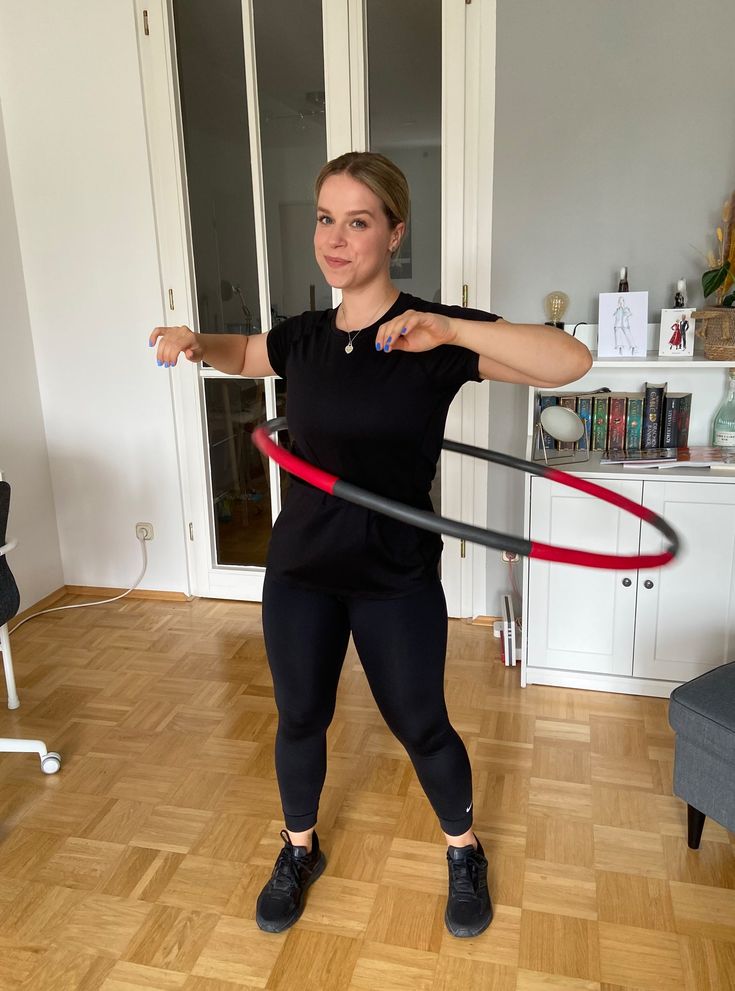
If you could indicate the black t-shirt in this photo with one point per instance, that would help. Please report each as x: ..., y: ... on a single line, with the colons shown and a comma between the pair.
x: 376, y: 420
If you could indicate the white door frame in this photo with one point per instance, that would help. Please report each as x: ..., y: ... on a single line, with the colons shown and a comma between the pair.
x: 467, y: 255
x: 468, y: 111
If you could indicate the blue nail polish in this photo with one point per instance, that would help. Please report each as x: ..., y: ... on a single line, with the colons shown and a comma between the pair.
x: 404, y: 330
x: 159, y: 361
x: 165, y: 364
x: 389, y: 341
x: 150, y: 344
x: 377, y: 346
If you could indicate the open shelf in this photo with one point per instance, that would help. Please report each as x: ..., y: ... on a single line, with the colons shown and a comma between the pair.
x: 655, y: 360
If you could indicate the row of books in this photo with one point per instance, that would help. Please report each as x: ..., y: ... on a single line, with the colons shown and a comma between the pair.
x: 625, y: 421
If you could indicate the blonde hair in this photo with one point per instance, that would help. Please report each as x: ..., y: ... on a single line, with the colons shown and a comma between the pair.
x: 380, y: 175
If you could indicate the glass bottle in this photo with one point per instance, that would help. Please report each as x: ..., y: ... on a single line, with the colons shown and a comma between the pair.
x: 723, y: 430
x: 623, y: 282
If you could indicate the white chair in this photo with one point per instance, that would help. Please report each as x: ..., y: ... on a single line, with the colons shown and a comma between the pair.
x: 9, y: 603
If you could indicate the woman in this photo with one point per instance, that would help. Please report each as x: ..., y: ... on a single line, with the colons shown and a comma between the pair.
x: 369, y: 388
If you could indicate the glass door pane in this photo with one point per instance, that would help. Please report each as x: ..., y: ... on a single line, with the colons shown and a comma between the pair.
x: 293, y: 138
x: 293, y: 141
x: 216, y: 128
x: 211, y: 70
x: 404, y: 42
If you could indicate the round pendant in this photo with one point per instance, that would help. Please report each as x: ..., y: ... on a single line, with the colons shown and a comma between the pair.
x: 349, y: 349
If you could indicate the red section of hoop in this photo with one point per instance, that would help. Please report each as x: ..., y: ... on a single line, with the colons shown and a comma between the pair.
x: 612, y: 562
x: 295, y: 466
x: 542, y: 552
x: 615, y: 562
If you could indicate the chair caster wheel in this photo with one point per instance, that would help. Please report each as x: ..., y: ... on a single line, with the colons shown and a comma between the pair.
x: 50, y: 762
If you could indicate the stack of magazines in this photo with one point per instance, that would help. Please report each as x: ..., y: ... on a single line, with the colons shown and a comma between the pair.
x: 672, y: 457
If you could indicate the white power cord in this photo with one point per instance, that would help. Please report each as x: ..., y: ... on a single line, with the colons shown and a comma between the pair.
x: 100, y: 602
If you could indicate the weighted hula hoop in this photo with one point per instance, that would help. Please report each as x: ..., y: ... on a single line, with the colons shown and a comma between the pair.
x: 464, y: 531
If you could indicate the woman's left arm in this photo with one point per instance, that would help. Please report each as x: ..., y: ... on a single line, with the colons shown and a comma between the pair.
x: 530, y: 354
x: 527, y: 354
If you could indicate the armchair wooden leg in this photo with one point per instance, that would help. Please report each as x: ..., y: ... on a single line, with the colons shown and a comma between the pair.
x: 695, y: 825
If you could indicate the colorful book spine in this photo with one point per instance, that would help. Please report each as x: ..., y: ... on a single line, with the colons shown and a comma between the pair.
x: 674, y: 404
x: 653, y: 405
x: 584, y: 412
x: 599, y: 423
x: 684, y: 415
x: 634, y: 422
x: 545, y: 400
x: 571, y: 403
x: 616, y: 425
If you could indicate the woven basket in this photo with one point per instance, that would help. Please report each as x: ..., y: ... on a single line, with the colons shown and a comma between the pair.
x: 716, y: 327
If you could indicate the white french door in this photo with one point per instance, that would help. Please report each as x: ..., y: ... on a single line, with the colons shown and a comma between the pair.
x: 243, y: 105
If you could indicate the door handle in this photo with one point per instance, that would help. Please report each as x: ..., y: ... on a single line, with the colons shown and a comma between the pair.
x: 648, y: 583
x: 627, y: 582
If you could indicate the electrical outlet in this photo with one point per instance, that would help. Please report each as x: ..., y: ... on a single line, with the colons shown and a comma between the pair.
x: 144, y: 531
x: 509, y: 556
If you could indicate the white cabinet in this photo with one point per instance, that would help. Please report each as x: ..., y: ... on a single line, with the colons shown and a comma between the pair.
x: 638, y: 632
x: 642, y: 632
x: 685, y: 620
x: 581, y: 619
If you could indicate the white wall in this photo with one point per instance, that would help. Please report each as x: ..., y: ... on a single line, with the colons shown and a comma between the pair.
x: 70, y: 87
x: 614, y: 145
x: 36, y: 563
x: 76, y: 150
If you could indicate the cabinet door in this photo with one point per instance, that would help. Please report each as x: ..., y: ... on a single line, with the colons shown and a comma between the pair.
x: 686, y: 618
x: 580, y: 619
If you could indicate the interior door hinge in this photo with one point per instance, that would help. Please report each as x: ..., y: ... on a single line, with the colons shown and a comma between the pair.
x: 145, y: 22
x: 462, y: 549
x: 465, y: 294
x: 191, y: 531
x: 171, y: 299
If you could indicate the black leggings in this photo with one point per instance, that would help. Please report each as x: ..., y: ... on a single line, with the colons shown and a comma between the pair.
x: 402, y: 646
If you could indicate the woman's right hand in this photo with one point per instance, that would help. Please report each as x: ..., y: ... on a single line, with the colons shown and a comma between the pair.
x: 173, y: 341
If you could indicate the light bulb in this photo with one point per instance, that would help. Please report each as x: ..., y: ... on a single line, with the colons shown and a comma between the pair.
x: 555, y: 305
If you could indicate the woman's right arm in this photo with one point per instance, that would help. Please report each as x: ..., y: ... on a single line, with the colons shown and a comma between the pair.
x: 234, y: 354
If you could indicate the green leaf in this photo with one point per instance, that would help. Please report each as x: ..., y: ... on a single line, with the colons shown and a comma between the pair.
x: 729, y: 300
x: 713, y: 279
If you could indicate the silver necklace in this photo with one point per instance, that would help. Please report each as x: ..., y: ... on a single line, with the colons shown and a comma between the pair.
x: 349, y: 348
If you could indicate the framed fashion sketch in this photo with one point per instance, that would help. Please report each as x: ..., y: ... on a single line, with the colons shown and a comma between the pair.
x: 676, y: 336
x: 622, y: 325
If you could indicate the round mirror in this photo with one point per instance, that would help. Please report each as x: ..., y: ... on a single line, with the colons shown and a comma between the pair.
x: 562, y: 423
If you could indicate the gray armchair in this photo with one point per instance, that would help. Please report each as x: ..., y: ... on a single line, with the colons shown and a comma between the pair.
x: 702, y: 712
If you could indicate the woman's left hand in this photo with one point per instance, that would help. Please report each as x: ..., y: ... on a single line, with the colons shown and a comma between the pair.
x: 415, y: 331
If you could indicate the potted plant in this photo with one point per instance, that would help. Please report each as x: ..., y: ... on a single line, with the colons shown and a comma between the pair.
x: 716, y: 324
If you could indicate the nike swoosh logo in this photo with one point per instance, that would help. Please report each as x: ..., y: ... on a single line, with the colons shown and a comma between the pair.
x: 468, y: 807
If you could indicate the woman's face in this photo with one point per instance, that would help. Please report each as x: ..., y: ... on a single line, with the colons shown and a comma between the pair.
x: 353, y: 239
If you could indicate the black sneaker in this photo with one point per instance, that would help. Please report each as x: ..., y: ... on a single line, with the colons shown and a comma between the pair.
x: 469, y: 909
x: 281, y: 901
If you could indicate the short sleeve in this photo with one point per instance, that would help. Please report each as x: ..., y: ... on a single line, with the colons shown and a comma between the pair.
x: 451, y: 366
x: 278, y: 343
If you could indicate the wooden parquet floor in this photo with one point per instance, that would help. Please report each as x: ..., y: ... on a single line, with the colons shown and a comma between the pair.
x: 138, y: 865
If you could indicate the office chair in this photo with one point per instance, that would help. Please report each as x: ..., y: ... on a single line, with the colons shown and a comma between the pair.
x: 9, y: 603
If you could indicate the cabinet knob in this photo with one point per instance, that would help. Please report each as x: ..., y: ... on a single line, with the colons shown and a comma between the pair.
x: 648, y: 583
x: 627, y: 582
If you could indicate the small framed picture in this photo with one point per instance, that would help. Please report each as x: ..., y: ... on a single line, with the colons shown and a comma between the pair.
x: 622, y: 328
x: 677, y: 332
